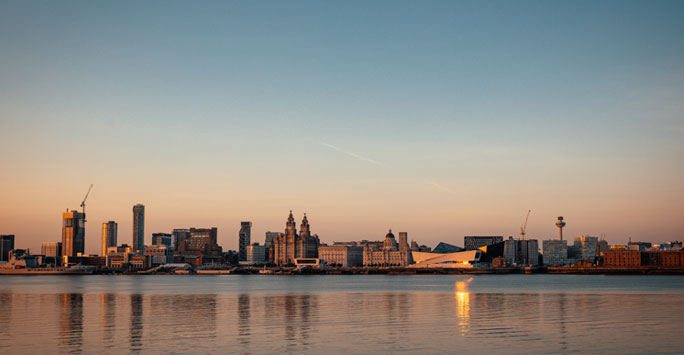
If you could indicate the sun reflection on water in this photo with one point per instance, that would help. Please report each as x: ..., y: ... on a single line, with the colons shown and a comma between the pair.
x: 462, y: 297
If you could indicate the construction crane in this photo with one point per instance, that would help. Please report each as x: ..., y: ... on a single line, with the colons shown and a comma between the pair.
x: 524, y: 226
x: 84, y: 200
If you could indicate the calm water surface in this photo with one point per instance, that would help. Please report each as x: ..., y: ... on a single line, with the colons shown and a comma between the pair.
x: 342, y: 314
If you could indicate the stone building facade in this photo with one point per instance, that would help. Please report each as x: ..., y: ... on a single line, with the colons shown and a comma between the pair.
x: 390, y: 254
x: 292, y: 245
x: 341, y: 255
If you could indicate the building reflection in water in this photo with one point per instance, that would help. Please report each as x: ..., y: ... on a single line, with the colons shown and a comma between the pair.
x: 6, y: 307
x: 462, y: 296
x: 107, y: 318
x: 561, y: 323
x: 71, y: 322
x: 136, y: 328
x: 294, y: 314
x: 244, y: 312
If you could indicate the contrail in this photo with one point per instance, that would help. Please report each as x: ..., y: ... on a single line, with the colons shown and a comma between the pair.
x: 354, y: 155
x: 443, y: 188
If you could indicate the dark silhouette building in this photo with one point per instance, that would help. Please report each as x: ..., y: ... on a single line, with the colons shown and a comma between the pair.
x: 245, y: 238
x: 138, y: 227
x: 6, y: 244
x: 73, y: 233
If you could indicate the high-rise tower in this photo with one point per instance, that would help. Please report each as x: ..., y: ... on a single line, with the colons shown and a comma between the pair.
x: 138, y: 227
x: 245, y: 237
x: 109, y: 231
x: 6, y: 244
x: 560, y: 224
x: 73, y: 233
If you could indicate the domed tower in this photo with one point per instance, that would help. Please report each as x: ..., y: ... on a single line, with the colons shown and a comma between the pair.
x: 390, y: 243
x: 291, y: 225
x: 304, y: 229
x: 560, y: 224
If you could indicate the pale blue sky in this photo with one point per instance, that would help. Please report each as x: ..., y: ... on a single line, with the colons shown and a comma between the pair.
x: 441, y: 118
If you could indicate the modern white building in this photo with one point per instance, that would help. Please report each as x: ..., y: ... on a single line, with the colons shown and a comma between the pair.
x: 462, y: 259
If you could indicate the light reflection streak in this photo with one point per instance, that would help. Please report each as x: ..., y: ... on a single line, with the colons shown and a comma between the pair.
x: 462, y: 297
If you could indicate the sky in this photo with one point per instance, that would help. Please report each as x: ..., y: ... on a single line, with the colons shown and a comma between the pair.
x: 438, y: 118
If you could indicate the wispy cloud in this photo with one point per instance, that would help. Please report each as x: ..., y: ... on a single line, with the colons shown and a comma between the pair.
x: 351, y: 154
x: 442, y: 187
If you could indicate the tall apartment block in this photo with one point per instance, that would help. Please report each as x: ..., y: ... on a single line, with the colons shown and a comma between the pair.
x: 138, y: 227
x: 73, y: 233
x: 245, y: 240
x: 6, y: 244
x: 109, y: 231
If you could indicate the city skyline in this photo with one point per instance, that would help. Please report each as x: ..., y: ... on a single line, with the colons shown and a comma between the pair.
x: 238, y: 237
x: 443, y: 121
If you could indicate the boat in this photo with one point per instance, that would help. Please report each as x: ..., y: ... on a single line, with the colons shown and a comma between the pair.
x: 22, y: 263
x: 266, y: 271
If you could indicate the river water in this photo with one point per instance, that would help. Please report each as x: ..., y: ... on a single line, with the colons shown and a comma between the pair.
x: 342, y: 314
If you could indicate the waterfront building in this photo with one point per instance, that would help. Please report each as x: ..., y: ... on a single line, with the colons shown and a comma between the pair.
x: 477, y: 241
x: 123, y: 248
x: 521, y: 252
x: 109, y: 231
x: 420, y: 248
x: 386, y: 254
x: 158, y: 254
x: 444, y: 248
x: 622, y: 258
x: 255, y: 254
x: 403, y: 241
x: 463, y: 259
x: 290, y: 245
x: 138, y: 227
x: 555, y: 252
x: 130, y: 260
x: 270, y: 236
x: 164, y: 239
x: 202, y: 241
x: 6, y: 244
x: 245, y: 237
x: 73, y: 233
x: 633, y: 258
x: 341, y: 255
x: 51, y: 249
x: 178, y: 238
x: 587, y: 248
x: 639, y: 246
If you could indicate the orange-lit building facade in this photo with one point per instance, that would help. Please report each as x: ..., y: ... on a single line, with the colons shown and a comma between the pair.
x: 627, y: 258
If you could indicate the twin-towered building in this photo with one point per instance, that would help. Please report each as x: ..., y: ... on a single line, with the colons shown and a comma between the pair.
x: 292, y: 245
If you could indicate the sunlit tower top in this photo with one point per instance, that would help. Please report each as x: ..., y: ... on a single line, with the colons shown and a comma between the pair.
x: 560, y: 224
